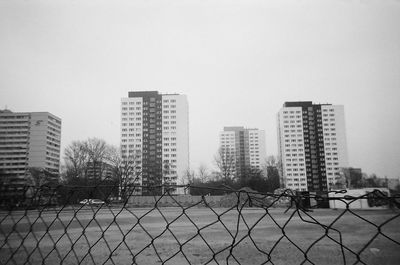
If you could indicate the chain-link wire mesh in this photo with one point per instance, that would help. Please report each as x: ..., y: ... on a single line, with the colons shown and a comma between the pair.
x: 50, y: 225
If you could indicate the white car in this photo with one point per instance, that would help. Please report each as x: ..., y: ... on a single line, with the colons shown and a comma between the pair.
x: 95, y: 202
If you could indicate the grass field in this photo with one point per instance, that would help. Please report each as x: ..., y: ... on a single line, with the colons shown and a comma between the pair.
x: 198, y: 236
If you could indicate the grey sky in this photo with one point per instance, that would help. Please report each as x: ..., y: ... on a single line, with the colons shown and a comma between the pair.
x: 237, y: 61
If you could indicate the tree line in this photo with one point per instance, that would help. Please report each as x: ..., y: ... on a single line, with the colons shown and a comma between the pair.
x: 112, y: 171
x: 229, y: 176
x: 95, y: 163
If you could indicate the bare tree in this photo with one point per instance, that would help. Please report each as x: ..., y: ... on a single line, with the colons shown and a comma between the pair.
x: 271, y: 169
x: 203, y: 174
x: 225, y: 161
x: 76, y: 160
x: 126, y: 170
x: 339, y: 184
x: 40, y: 176
x: 41, y: 181
x: 98, y: 153
x: 188, y: 176
x: 82, y: 156
x: 279, y: 167
x: 271, y: 161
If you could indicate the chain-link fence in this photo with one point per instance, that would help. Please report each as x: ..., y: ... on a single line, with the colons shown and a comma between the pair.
x: 110, y: 225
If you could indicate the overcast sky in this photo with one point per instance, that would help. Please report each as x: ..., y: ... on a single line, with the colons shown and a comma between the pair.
x: 237, y: 62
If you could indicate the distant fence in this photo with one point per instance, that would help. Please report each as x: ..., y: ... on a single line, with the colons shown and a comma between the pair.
x: 53, y: 225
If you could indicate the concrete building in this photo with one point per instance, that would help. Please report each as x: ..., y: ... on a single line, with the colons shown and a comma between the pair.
x: 247, y: 145
x: 28, y: 140
x: 155, y: 128
x: 312, y: 145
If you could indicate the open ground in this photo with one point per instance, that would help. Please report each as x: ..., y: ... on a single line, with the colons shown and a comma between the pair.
x: 199, y: 235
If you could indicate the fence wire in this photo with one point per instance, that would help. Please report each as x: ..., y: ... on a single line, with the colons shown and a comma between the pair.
x: 56, y: 225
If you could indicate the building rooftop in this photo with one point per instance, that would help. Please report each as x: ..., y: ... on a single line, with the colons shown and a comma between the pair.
x: 233, y: 128
x: 301, y: 104
x: 151, y: 93
x: 7, y: 112
x: 238, y: 128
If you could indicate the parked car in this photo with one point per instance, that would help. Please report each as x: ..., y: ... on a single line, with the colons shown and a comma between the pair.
x: 94, y: 202
x: 115, y: 200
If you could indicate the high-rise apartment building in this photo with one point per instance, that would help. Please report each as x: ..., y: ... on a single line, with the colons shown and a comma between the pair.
x: 155, y: 127
x: 312, y: 145
x: 246, y: 145
x: 28, y: 140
